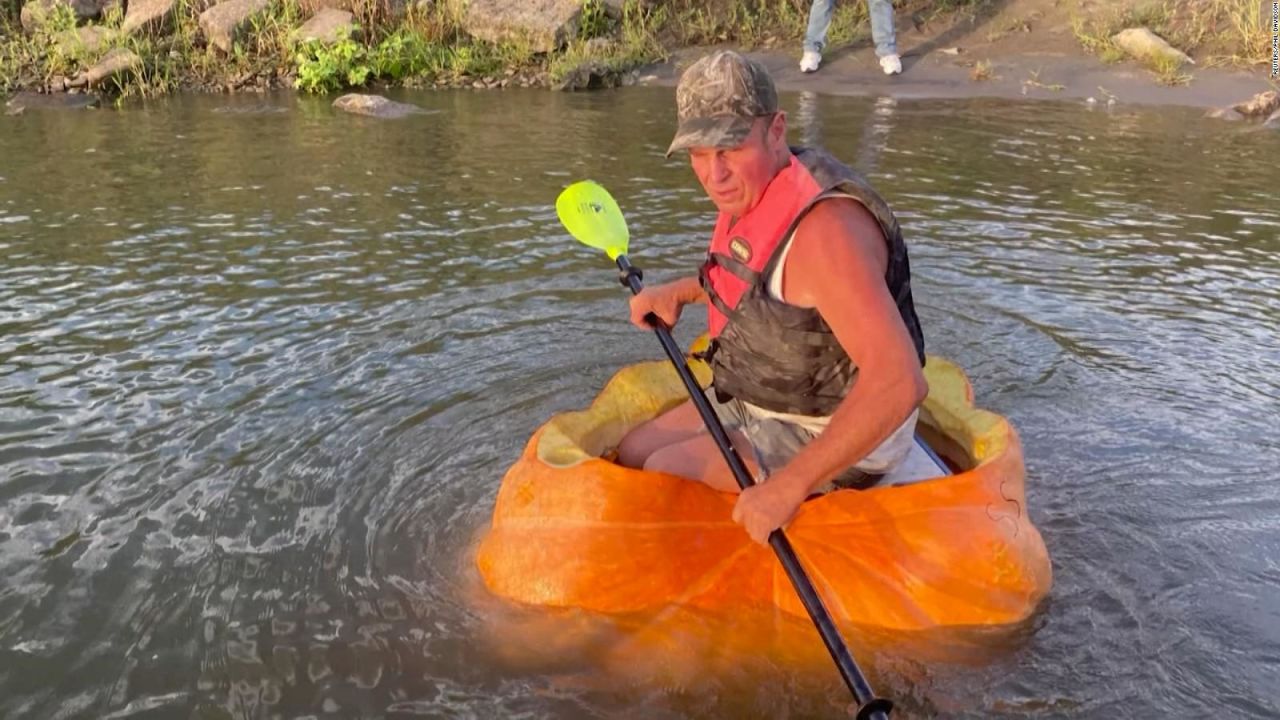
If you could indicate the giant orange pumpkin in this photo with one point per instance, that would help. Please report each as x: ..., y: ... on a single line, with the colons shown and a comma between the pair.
x: 572, y: 529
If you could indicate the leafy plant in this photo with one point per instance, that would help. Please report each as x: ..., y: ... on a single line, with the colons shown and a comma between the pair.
x: 327, y: 68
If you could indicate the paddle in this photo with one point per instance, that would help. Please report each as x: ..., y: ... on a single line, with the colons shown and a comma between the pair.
x: 592, y: 216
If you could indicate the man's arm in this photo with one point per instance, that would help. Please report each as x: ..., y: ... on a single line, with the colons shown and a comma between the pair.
x: 837, y: 265
x: 666, y: 301
x: 691, y: 290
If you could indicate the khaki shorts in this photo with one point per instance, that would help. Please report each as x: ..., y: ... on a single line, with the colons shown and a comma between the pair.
x: 775, y: 441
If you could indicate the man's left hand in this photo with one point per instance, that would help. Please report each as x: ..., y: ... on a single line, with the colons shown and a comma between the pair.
x: 763, y: 508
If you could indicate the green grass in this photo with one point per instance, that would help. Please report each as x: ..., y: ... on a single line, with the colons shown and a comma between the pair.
x: 1224, y: 32
x: 745, y: 22
x: 1096, y: 31
x: 1232, y: 32
x: 594, y: 21
x: 428, y: 47
x: 637, y: 44
x: 1168, y: 71
x: 42, y: 54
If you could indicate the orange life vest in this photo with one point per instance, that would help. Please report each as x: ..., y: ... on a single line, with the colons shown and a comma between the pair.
x: 750, y: 242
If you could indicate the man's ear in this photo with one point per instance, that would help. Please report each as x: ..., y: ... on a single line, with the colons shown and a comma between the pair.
x: 778, y: 128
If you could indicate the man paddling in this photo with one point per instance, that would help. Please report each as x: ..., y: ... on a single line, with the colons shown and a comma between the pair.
x: 816, y: 348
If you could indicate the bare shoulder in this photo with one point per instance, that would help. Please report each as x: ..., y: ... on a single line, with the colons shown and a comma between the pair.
x: 841, y: 230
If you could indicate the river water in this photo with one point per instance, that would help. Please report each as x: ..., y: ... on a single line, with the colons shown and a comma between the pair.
x: 262, y: 367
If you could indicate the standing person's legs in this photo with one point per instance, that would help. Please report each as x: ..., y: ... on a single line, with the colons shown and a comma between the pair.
x: 881, y: 14
x: 815, y: 37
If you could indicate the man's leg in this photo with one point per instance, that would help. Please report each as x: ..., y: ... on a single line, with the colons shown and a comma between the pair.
x: 699, y: 458
x: 671, y: 427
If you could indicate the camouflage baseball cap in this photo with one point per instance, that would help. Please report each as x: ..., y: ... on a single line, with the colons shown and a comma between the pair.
x: 718, y: 98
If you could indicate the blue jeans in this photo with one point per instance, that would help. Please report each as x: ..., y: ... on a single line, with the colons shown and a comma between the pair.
x: 880, y: 11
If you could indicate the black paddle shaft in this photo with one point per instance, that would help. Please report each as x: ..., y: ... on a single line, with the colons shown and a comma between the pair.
x: 870, y: 706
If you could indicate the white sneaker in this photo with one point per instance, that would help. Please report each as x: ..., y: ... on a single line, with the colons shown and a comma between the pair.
x: 891, y: 64
x: 810, y: 61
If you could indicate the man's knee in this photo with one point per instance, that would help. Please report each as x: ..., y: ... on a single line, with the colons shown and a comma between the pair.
x: 670, y: 428
x: 634, y: 450
x: 701, y: 461
x: 671, y: 460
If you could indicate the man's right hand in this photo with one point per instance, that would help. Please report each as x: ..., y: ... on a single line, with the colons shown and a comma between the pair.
x: 665, y: 301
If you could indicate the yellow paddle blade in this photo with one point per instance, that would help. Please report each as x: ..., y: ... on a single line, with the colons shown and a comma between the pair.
x: 591, y: 215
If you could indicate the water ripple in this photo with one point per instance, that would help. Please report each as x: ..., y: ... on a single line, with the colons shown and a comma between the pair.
x: 252, y: 416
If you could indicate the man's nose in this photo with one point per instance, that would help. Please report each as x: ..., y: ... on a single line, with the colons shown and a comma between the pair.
x: 719, y: 168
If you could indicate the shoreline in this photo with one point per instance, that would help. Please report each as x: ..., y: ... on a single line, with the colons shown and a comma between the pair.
x: 854, y: 72
x: 1006, y: 49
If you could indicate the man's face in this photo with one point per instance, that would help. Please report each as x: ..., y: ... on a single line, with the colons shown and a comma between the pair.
x: 736, y: 178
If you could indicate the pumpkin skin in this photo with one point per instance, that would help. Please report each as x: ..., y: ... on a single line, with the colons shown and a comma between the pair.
x: 571, y: 529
